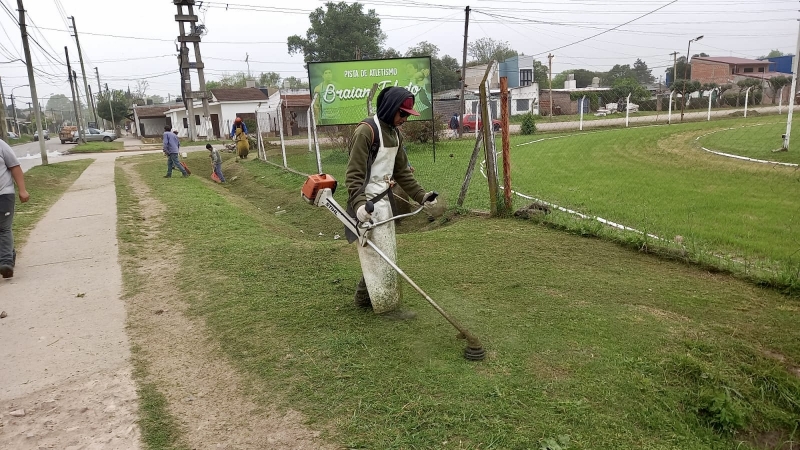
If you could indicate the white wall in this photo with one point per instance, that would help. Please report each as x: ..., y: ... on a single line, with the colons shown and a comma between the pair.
x: 153, y: 126
x: 530, y: 93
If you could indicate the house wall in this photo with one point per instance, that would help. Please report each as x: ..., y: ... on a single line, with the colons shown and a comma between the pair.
x: 562, y: 104
x: 710, y: 72
x: 153, y: 126
x: 781, y: 64
x: 475, y: 74
x: 524, y: 96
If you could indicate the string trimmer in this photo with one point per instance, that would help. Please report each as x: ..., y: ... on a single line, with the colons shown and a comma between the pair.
x: 318, y: 190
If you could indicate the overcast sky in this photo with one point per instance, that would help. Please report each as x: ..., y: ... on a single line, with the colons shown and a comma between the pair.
x: 145, y: 47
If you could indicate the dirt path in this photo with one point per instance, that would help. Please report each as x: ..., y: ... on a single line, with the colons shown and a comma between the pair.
x: 203, y: 391
x: 65, y: 376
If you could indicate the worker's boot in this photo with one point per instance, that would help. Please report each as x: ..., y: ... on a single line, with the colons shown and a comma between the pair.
x: 361, y: 299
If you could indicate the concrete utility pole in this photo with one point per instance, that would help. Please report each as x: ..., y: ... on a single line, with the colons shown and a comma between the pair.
x: 674, y: 66
x: 110, y: 108
x: 185, y: 65
x: 75, y: 104
x: 89, y: 102
x: 550, y: 81
x: 464, y: 73
x: 99, y: 90
x: 14, y: 112
x: 94, y: 108
x: 26, y: 48
x: 3, y: 123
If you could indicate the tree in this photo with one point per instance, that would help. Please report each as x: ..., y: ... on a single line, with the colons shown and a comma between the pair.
x: 295, y: 83
x: 777, y: 83
x: 119, y: 104
x: 267, y: 79
x: 540, y: 74
x: 623, y: 87
x: 60, y: 103
x: 683, y: 70
x: 680, y: 85
x: 141, y: 89
x: 487, y: 49
x: 155, y: 99
x: 643, y: 74
x: 391, y: 53
x: 774, y: 53
x: 340, y: 32
x: 445, y: 71
x: 618, y: 72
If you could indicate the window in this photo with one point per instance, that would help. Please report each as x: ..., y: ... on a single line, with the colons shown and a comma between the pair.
x: 525, y: 77
x: 748, y: 70
x: 185, y: 123
x: 761, y: 69
x: 523, y: 105
x: 196, y: 119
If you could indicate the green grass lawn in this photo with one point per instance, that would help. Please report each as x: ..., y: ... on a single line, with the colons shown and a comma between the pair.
x: 45, y: 184
x: 97, y: 147
x: 23, y: 139
x: 610, y: 347
x: 758, y: 140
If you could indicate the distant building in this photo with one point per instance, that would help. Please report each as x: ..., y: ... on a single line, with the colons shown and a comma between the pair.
x: 223, y: 107
x: 518, y: 70
x: 726, y: 70
x: 782, y: 64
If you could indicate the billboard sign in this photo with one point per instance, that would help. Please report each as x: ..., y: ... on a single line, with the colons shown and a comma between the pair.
x: 342, y: 87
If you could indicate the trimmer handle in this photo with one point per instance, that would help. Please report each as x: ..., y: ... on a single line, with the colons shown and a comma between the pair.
x: 370, y: 207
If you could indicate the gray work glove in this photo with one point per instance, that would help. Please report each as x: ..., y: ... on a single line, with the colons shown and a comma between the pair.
x: 425, y: 201
x: 362, y: 215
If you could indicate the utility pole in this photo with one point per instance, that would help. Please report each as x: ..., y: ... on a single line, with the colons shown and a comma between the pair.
x: 94, y: 108
x: 89, y: 103
x: 186, y: 66
x: 793, y: 92
x: 75, y: 104
x: 99, y: 90
x: 110, y: 109
x: 26, y: 48
x: 3, y: 123
x: 14, y: 111
x: 463, y: 72
x: 674, y: 66
x: 247, y: 60
x: 550, y: 81
x: 80, y: 111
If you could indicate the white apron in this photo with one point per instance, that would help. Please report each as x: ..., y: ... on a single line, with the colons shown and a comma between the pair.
x: 379, y: 276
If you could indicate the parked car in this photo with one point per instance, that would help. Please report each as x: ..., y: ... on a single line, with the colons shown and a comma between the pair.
x: 12, y: 135
x: 469, y: 123
x: 93, y: 134
x: 46, y: 136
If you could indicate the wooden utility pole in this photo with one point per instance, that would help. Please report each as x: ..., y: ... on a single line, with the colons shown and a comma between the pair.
x: 506, y: 145
x: 31, y: 81
x: 463, y: 73
x: 550, y: 81
x: 89, y: 101
x: 75, y: 104
x: 3, y: 124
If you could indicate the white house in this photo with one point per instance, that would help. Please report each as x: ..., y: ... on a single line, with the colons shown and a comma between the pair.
x: 224, y: 106
x: 150, y: 120
x: 524, y: 99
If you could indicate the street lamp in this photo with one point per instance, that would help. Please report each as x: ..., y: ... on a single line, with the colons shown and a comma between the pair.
x: 686, y: 73
x: 14, y: 106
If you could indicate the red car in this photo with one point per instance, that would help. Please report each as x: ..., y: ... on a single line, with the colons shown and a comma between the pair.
x: 469, y: 123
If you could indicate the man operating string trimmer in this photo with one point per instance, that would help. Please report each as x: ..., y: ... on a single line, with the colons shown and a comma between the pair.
x: 376, y: 162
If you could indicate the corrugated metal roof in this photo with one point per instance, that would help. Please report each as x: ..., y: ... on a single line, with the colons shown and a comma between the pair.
x: 239, y: 95
x: 153, y: 111
x: 731, y: 60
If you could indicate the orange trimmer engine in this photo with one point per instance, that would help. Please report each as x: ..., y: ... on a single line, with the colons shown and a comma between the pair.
x: 315, y: 184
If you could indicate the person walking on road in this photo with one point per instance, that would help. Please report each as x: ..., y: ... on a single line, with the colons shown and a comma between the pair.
x: 376, y: 162
x: 171, y: 146
x: 10, y: 173
x: 453, y: 125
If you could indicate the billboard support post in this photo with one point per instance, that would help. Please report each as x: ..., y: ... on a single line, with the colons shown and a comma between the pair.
x: 316, y: 138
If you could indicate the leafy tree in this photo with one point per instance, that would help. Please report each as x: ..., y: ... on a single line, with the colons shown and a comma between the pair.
x: 643, y: 74
x: 681, y: 68
x: 622, y: 87
x: 540, y: 74
x: 750, y: 82
x: 487, y: 49
x: 391, y: 53
x: 267, y: 79
x: 295, y: 83
x: 340, y: 32
x: 118, y: 103
x: 680, y: 85
x: 777, y: 83
x: 444, y: 71
x: 618, y: 72
x: 774, y: 53
x: 156, y: 99
x: 60, y: 102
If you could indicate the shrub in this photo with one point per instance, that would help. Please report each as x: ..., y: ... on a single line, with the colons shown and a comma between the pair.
x: 423, y: 132
x: 528, y: 124
x: 340, y: 136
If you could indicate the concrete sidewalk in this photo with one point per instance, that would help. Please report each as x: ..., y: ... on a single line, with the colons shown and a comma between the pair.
x: 65, y: 371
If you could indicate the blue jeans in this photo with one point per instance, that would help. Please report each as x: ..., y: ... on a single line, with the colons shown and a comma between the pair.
x: 218, y: 171
x: 174, y: 162
x: 7, y: 253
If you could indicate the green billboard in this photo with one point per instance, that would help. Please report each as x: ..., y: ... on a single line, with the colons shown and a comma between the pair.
x: 342, y: 87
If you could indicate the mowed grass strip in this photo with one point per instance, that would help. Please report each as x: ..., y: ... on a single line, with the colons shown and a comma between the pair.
x: 97, y: 147
x: 45, y: 184
x: 759, y: 140
x: 611, y: 347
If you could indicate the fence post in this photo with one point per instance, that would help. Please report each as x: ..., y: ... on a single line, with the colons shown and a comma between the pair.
x: 308, y: 128
x: 470, y: 168
x: 491, y: 167
x: 583, y: 100
x: 280, y: 130
x: 627, y: 110
x: 710, y: 96
x: 747, y: 99
x: 780, y: 101
x: 669, y: 109
x: 260, y: 140
x: 505, y: 138
x: 316, y: 138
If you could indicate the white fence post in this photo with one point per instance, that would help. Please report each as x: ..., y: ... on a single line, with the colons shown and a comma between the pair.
x: 747, y: 99
x: 627, y: 110
x: 280, y: 130
x: 316, y: 138
x: 583, y: 100
x: 308, y: 128
x: 710, y: 96
x: 259, y: 141
x: 669, y: 112
x: 780, y: 101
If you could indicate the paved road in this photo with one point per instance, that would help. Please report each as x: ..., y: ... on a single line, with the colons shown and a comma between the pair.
x: 29, y: 154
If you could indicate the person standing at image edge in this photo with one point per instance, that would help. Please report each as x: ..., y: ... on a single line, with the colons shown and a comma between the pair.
x: 369, y: 177
x: 171, y: 146
x: 10, y: 173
